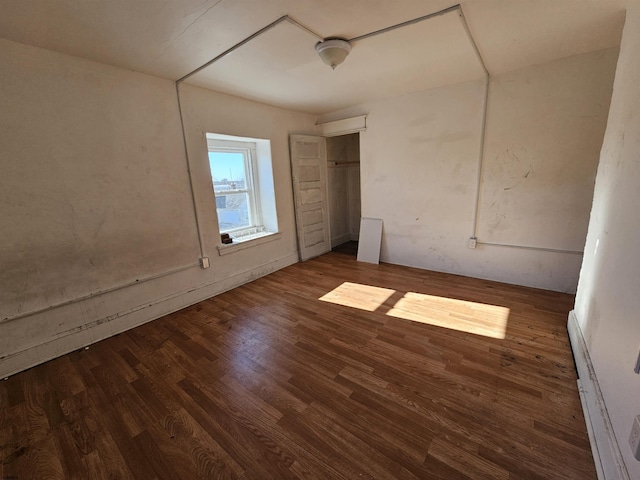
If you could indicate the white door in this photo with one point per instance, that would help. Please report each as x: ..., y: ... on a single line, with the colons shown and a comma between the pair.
x: 309, y: 171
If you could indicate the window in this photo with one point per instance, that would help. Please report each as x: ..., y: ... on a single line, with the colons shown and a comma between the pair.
x: 231, y: 172
x: 243, y: 186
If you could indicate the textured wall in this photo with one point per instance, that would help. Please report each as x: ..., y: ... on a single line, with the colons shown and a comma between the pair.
x: 607, y: 301
x: 96, y: 206
x: 544, y: 130
x: 94, y: 179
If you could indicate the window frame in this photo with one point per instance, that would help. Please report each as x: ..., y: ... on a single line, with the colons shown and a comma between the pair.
x: 265, y: 223
x: 249, y: 152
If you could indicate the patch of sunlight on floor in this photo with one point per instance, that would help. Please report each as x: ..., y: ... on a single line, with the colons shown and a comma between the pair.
x: 356, y: 295
x: 464, y: 316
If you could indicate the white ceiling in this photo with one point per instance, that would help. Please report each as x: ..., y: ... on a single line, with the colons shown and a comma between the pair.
x: 170, y: 38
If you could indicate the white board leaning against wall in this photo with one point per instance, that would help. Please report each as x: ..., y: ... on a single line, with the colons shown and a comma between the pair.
x: 370, y: 240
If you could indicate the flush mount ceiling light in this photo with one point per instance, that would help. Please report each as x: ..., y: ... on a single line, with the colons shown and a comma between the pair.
x: 333, y: 51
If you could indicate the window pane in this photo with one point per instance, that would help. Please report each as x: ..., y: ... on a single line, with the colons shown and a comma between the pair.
x: 233, y: 210
x: 227, y: 171
x: 229, y: 174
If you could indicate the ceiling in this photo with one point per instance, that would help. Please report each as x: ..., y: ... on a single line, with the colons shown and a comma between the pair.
x: 170, y: 38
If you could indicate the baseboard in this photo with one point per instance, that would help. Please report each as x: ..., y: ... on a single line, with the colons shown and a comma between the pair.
x: 604, y: 445
x: 105, y: 326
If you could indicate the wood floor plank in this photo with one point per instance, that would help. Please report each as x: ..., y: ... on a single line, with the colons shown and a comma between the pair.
x: 468, y: 463
x: 286, y: 378
x: 235, y: 437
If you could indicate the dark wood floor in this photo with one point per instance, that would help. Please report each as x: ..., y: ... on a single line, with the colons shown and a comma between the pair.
x: 269, y: 382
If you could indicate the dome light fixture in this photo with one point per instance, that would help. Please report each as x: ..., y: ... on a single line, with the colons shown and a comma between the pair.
x: 333, y: 51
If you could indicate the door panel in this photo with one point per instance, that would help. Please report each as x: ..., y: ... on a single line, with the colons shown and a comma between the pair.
x: 309, y: 172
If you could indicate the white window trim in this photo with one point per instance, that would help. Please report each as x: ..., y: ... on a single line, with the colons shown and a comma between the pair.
x: 264, y: 202
x: 226, y: 249
x: 248, y: 150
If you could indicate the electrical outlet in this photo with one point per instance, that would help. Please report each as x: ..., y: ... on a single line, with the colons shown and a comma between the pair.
x: 634, y: 438
x: 204, y: 262
x: 472, y: 242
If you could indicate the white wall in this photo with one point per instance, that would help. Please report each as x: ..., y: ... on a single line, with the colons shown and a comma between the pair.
x: 95, y: 197
x: 420, y: 164
x: 545, y: 130
x: 207, y: 111
x: 343, y: 163
x: 92, y: 158
x: 607, y: 301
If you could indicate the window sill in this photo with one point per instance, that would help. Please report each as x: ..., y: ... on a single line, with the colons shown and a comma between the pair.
x: 236, y: 246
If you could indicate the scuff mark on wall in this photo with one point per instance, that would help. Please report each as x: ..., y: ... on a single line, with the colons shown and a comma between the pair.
x: 498, y: 222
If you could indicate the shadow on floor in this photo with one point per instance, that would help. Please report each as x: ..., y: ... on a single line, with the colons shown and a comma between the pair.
x: 348, y: 248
